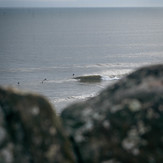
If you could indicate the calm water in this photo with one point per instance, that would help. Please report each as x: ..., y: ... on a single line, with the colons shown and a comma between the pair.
x: 55, y: 43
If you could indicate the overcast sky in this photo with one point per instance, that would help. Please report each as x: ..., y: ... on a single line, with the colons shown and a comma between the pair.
x: 81, y: 3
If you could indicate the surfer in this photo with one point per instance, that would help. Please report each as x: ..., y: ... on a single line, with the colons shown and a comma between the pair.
x: 44, y: 80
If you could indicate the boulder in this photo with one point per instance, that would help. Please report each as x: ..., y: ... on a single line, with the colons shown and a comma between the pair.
x: 124, y: 123
x: 30, y: 131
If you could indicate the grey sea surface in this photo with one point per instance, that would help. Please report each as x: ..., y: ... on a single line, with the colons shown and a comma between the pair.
x: 55, y: 43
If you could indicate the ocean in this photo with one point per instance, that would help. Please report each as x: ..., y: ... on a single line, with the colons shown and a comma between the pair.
x: 43, y: 49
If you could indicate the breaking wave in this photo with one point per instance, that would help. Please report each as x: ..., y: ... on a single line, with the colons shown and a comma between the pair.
x: 73, y: 98
x: 95, y: 78
x: 109, y: 78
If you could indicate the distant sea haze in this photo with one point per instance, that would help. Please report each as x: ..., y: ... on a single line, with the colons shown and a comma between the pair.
x: 59, y: 44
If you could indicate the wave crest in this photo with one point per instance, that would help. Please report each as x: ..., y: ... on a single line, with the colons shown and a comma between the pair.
x: 95, y: 78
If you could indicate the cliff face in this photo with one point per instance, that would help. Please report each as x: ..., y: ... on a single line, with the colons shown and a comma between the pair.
x: 124, y: 123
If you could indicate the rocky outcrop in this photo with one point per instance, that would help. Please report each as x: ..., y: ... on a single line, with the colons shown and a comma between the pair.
x: 30, y: 131
x: 89, y: 79
x: 123, y: 124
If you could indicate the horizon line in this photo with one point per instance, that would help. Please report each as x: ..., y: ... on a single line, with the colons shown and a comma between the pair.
x: 81, y: 7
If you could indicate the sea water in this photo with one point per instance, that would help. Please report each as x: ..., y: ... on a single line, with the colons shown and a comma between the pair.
x: 43, y: 49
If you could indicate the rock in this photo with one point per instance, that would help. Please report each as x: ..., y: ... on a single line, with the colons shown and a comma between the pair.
x: 124, y: 123
x: 30, y: 131
x: 89, y: 79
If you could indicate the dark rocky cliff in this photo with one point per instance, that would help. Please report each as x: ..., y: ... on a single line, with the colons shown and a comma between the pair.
x: 124, y: 123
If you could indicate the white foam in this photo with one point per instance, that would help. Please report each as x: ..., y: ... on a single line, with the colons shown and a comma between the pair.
x: 73, y: 98
x: 109, y: 78
x: 60, y: 81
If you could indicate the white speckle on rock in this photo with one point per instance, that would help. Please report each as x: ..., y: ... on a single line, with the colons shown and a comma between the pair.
x: 135, y: 105
x: 2, y: 134
x: 132, y: 140
x: 88, y: 125
x: 79, y: 138
x: 52, y: 151
x: 135, y: 151
x: 6, y: 154
x: 128, y: 144
x: 106, y: 124
x: 52, y: 131
x: 142, y: 128
x: 35, y: 110
x: 115, y: 108
x: 87, y: 112
x: 97, y: 116
x: 133, y: 132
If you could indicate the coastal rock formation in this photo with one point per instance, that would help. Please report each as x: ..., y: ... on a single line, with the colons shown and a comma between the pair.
x: 124, y: 123
x: 30, y: 131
